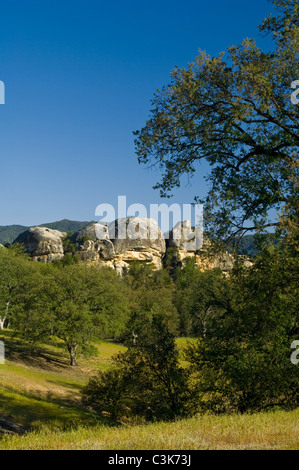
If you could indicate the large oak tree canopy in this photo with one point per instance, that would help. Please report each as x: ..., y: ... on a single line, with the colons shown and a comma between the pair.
x: 235, y: 111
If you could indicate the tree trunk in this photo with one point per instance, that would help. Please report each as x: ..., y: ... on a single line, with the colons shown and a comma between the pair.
x: 72, y: 349
x: 2, y: 321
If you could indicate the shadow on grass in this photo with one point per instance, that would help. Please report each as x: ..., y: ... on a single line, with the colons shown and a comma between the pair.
x: 45, y: 357
x: 35, y: 408
x: 28, y: 411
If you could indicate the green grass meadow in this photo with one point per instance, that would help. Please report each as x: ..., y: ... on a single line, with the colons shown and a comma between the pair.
x: 40, y: 393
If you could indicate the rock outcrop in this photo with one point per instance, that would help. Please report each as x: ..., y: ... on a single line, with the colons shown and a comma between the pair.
x: 42, y: 244
x: 137, y: 239
x: 93, y: 244
x: 184, y: 237
x: 123, y: 241
x: 192, y: 243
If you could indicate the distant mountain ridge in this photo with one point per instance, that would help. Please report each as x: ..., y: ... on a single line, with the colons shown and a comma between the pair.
x: 247, y: 246
x: 8, y: 233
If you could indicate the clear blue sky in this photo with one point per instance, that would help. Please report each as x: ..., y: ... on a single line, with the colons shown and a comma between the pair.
x: 79, y: 77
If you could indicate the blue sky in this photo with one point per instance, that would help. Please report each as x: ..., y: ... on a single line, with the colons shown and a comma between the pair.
x: 79, y: 78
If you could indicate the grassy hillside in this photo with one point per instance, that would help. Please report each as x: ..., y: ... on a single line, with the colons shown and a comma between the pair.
x: 41, y: 388
x: 40, y: 398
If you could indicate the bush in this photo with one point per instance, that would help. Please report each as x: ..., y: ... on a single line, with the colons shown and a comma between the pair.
x: 149, y: 381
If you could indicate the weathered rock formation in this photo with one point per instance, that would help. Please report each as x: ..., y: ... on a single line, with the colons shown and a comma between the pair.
x: 183, y: 237
x: 119, y: 243
x: 42, y: 244
x: 192, y: 243
x: 93, y: 244
x: 137, y: 238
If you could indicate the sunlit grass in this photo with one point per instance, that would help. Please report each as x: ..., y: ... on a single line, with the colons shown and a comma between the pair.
x: 30, y: 412
x: 40, y: 387
x: 41, y: 393
x: 278, y: 430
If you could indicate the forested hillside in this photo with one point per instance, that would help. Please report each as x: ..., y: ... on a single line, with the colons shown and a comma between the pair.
x: 8, y: 233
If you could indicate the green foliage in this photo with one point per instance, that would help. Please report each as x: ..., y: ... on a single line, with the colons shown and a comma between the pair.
x: 86, y: 303
x: 69, y: 248
x: 235, y: 113
x: 199, y: 297
x: 75, y: 302
x: 243, y: 361
x: 107, y: 392
x: 15, y: 272
x: 149, y: 382
x: 151, y: 294
x: 67, y: 260
x: 172, y: 262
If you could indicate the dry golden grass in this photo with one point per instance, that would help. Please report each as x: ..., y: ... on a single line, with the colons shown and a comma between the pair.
x: 279, y: 430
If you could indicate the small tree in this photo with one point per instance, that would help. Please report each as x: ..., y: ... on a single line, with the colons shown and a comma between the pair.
x: 107, y: 392
x: 149, y: 381
x: 76, y: 303
x: 87, y: 303
x: 16, y: 271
